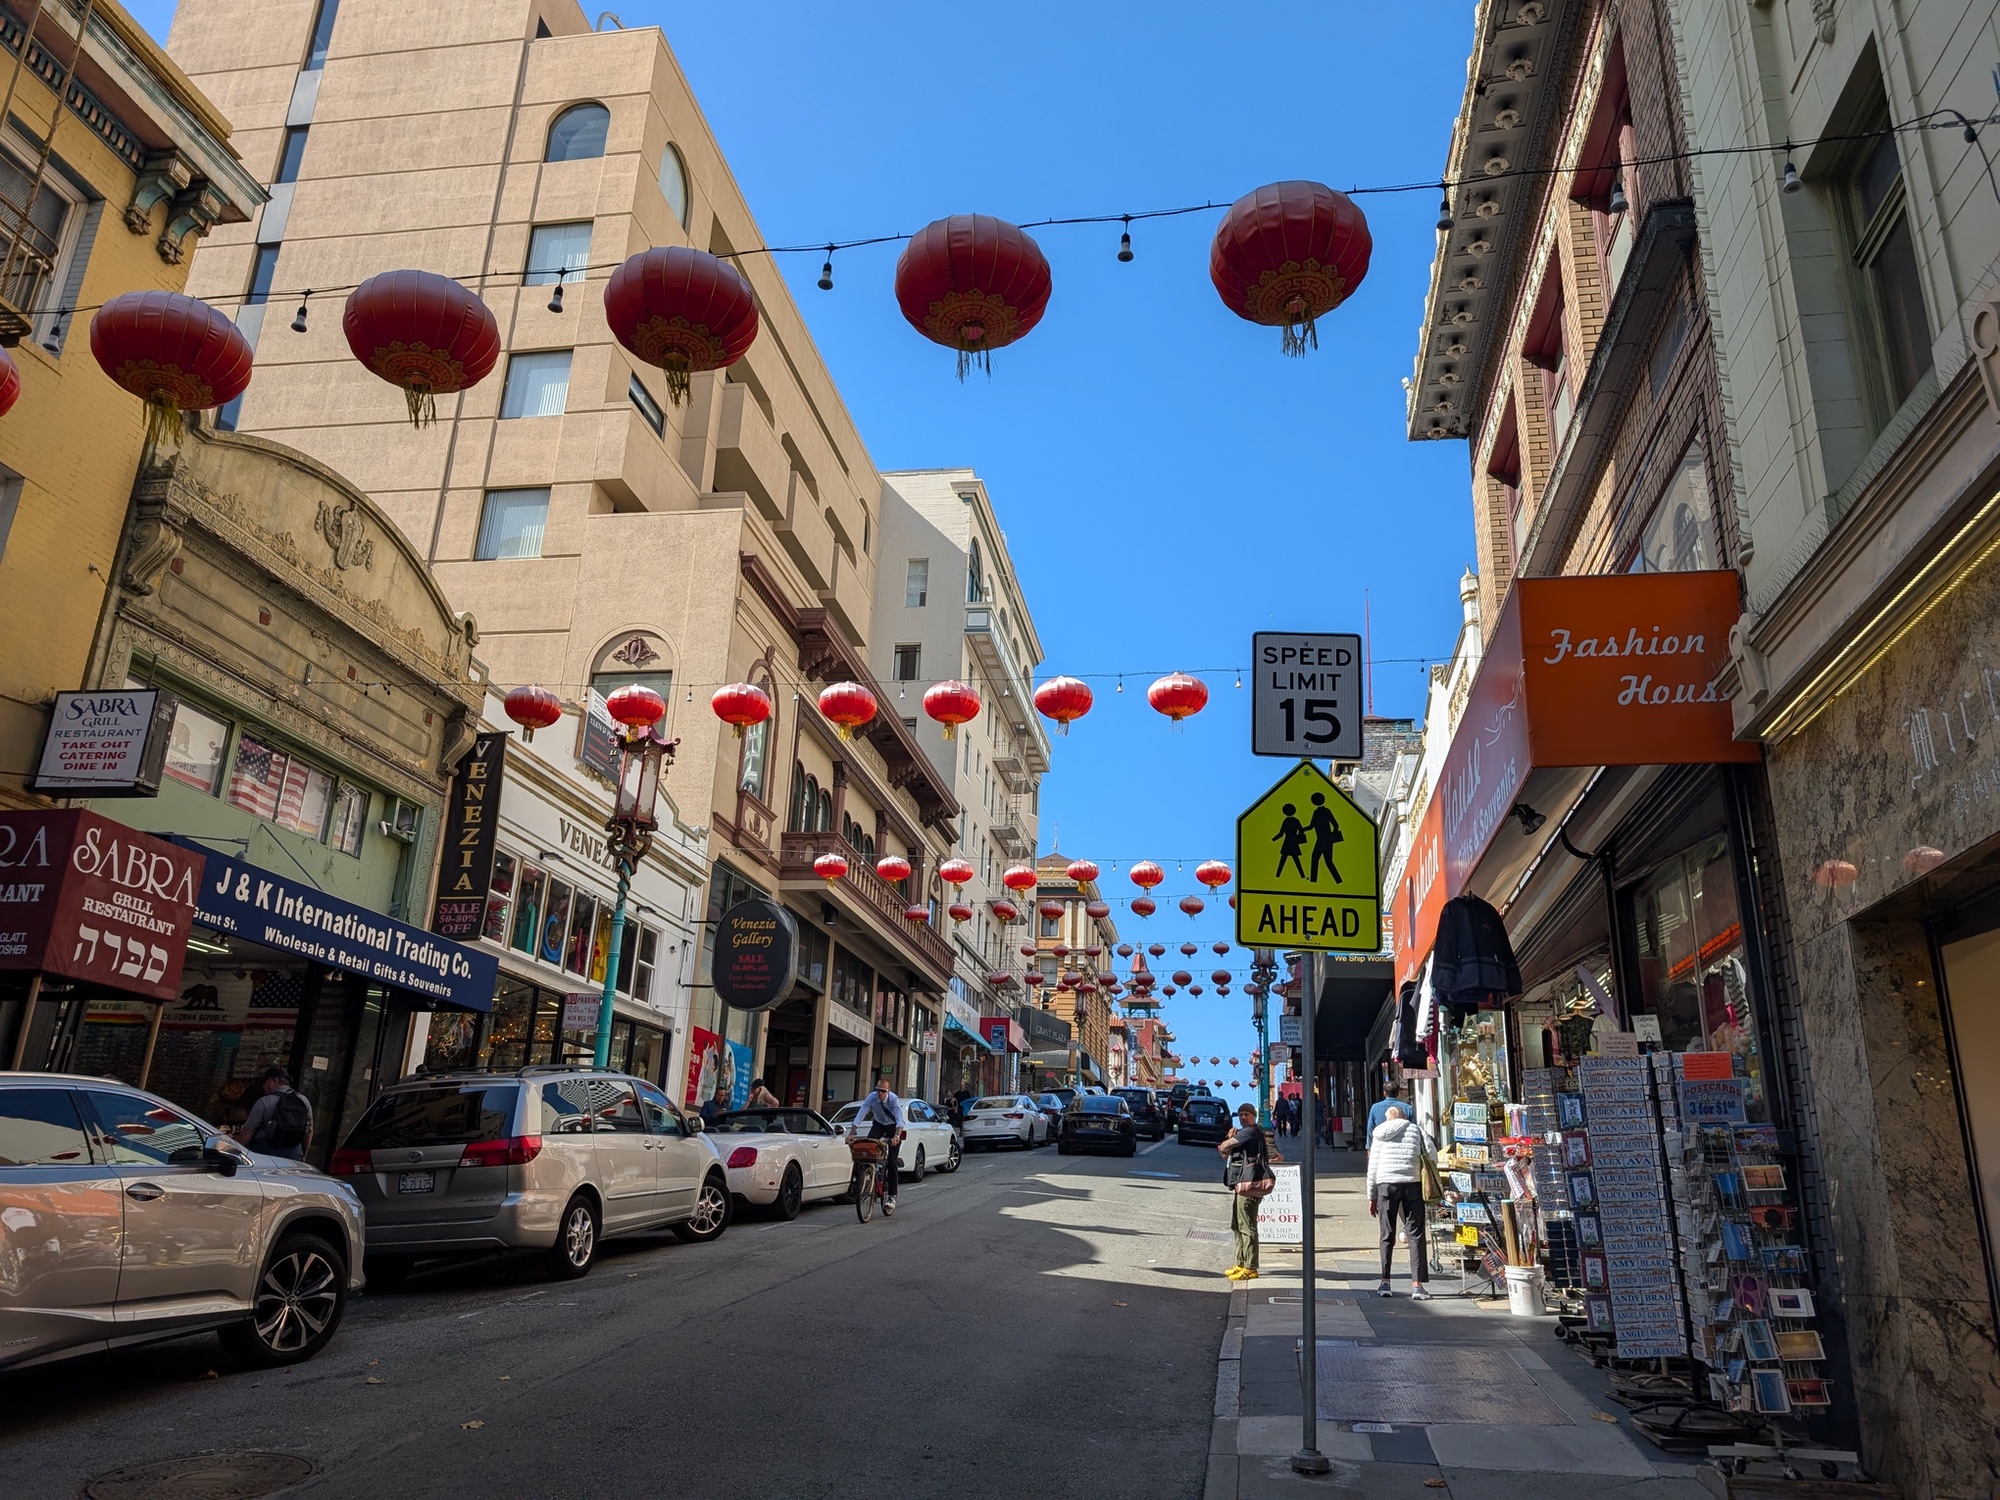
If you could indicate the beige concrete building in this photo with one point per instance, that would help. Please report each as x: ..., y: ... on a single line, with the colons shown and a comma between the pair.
x: 596, y: 532
x: 1858, y: 335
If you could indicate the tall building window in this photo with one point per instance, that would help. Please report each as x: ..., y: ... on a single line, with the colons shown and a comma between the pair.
x: 578, y: 133
x: 975, y: 579
x: 511, y: 524
x: 1885, y: 254
x: 290, y: 155
x: 650, y: 409
x: 1676, y: 537
x: 917, y: 583
x: 557, y: 252
x: 674, y: 183
x: 537, y: 385
x: 322, y: 34
x: 756, y: 758
x: 263, y: 267
x: 909, y: 662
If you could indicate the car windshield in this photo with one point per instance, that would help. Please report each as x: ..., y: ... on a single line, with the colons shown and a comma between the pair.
x: 1132, y: 1096
x: 1204, y: 1109
x: 1050, y: 1101
x: 1098, y: 1104
x: 750, y: 1122
x: 437, y: 1115
x: 845, y: 1113
x: 998, y: 1103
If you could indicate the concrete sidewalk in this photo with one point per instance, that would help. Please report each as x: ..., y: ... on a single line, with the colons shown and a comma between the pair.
x: 1477, y: 1403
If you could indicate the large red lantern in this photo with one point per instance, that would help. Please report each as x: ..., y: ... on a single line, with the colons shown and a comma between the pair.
x: 1006, y: 911
x: 1146, y: 874
x: 958, y: 911
x: 1221, y: 976
x: 1019, y: 878
x: 972, y: 283
x: 635, y: 706
x: 1082, y: 871
x: 1051, y: 909
x: 423, y: 332
x: 174, y: 352
x: 1213, y: 873
x: 1181, y: 976
x: 10, y: 382
x: 1178, y: 696
x: 955, y: 871
x: 1098, y: 909
x: 1158, y: 950
x: 848, y: 705
x: 741, y: 704
x: 1287, y: 254
x: 1064, y: 699
x: 830, y: 867
x: 532, y: 708
x: 893, y: 867
x: 1144, y: 906
x: 1192, y: 905
x: 684, y: 310
x: 916, y: 915
x: 952, y: 703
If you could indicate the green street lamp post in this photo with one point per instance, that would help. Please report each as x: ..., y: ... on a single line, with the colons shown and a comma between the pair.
x: 643, y: 759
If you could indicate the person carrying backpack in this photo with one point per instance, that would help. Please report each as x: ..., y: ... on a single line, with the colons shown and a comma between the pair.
x: 280, y: 1123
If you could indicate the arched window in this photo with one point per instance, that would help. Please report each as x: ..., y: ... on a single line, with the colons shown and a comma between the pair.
x: 578, y: 133
x: 975, y: 585
x: 824, y: 822
x: 674, y: 182
x: 754, y: 775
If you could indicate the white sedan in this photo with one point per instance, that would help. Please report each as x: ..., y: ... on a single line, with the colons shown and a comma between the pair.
x: 1007, y: 1119
x: 930, y: 1145
x: 782, y: 1159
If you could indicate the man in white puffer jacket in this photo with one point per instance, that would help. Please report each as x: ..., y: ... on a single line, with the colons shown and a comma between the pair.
x: 1396, y: 1150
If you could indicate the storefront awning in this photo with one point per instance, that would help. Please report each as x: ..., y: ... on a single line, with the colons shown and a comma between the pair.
x: 1352, y: 993
x: 240, y: 900
x: 964, y: 1037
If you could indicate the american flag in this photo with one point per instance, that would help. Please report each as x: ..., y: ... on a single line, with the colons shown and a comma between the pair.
x: 259, y: 781
x: 292, y: 800
x: 280, y: 990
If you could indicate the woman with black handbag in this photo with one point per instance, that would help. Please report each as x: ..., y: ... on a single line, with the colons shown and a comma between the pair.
x: 1248, y: 1174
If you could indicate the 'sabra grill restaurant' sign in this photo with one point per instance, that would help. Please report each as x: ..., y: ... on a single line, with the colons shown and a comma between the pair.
x: 106, y: 744
x: 87, y: 898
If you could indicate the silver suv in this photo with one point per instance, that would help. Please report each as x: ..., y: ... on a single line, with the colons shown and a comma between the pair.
x: 549, y: 1159
x: 124, y: 1219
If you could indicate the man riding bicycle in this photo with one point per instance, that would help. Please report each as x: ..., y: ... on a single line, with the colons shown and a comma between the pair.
x: 882, y: 1113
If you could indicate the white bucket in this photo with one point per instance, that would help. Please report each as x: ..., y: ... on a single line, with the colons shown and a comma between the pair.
x: 1524, y: 1291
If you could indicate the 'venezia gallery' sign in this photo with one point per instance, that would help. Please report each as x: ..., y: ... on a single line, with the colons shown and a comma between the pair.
x: 756, y: 955
x: 471, y: 824
x: 1613, y: 669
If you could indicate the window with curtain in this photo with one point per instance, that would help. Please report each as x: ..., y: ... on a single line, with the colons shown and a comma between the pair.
x: 756, y: 753
x: 578, y: 133
x: 917, y: 583
x: 674, y: 183
x: 511, y: 524
x: 1885, y: 254
x: 557, y: 252
x: 537, y: 385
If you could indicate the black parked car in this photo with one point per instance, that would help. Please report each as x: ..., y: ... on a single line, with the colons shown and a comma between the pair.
x: 1053, y: 1105
x: 1097, y: 1122
x: 1147, y: 1116
x: 1204, y: 1120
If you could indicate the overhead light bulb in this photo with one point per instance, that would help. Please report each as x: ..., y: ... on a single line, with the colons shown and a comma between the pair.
x: 299, y: 318
x: 1445, y: 220
x: 1788, y: 180
x: 826, y: 272
x: 555, y: 298
x: 1618, y: 204
x: 1125, y: 241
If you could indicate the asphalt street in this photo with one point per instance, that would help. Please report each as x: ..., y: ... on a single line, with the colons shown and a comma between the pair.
x: 1033, y: 1325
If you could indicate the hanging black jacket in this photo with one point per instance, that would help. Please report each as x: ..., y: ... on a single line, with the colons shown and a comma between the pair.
x: 1473, y: 959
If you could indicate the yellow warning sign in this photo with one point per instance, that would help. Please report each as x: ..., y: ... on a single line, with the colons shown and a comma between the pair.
x: 1306, y: 869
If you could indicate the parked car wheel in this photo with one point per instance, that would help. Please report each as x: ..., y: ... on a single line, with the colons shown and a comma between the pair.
x: 1131, y: 1148
x: 710, y: 1216
x: 387, y: 1273
x: 297, y: 1305
x: 791, y: 1195
x: 575, y: 1249
x: 917, y: 1171
x: 951, y: 1161
x: 1062, y: 1148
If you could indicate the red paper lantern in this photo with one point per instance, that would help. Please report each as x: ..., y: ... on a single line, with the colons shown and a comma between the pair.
x: 1213, y: 873
x: 1146, y: 874
x: 635, y: 706
x: 893, y: 867
x: 1169, y: 990
x: 684, y: 310
x: 1006, y: 911
x: 830, y: 866
x: 1144, y: 906
x: 958, y: 911
x: 10, y: 382
x: 1094, y: 951
x: 1124, y: 950
x: 1192, y: 905
x: 1194, y: 989
x: 533, y: 708
x: 1181, y: 976
x: 1287, y: 254
x: 1060, y: 950
x: 848, y: 705
x: 1029, y: 950
x: 423, y: 332
x: 1178, y: 696
x: 972, y: 283
x: 1158, y: 950
x: 1033, y: 976
x: 952, y: 703
x: 1099, y: 909
x: 1082, y: 871
x: 916, y: 914
x: 1220, y: 947
x: 999, y: 979
x: 1221, y: 976
x: 955, y: 871
x: 1190, y: 949
x: 1064, y: 699
x: 1018, y: 878
x: 1051, y: 909
x: 174, y: 352
x: 740, y: 705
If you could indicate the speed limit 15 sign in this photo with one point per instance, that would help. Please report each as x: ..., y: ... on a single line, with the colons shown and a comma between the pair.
x: 1307, y: 699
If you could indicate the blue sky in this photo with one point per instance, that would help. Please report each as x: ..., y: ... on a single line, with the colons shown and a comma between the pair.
x: 1168, y: 481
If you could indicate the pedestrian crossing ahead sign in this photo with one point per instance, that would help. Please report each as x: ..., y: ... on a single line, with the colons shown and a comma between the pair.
x: 1306, y: 869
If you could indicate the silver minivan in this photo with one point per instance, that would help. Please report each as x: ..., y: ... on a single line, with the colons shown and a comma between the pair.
x: 550, y: 1159
x: 124, y: 1219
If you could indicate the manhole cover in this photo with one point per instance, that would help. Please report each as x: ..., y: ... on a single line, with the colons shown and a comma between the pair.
x: 206, y: 1476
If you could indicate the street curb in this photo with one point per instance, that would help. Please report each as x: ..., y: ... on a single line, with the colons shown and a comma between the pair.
x: 1223, y: 1464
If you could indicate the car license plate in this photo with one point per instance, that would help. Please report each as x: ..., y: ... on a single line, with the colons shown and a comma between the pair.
x: 416, y: 1182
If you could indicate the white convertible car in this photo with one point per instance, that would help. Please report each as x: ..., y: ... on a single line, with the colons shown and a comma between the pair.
x: 930, y: 1143
x: 782, y: 1159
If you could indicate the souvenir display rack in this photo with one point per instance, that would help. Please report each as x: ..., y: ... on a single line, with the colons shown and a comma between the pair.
x: 1618, y: 1192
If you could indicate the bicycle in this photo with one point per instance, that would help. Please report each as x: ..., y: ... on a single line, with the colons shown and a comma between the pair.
x: 870, y: 1185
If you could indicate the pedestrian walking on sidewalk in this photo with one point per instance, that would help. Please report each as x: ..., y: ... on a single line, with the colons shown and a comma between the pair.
x: 280, y: 1123
x: 1396, y: 1152
x: 1392, y: 1098
x: 1250, y: 1181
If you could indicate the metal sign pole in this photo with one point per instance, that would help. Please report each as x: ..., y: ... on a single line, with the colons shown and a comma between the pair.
x: 1309, y: 1460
